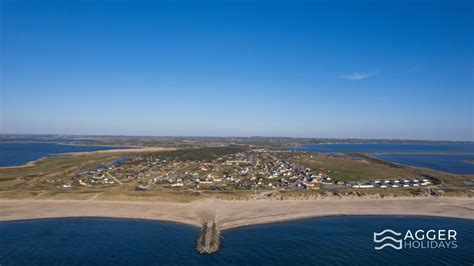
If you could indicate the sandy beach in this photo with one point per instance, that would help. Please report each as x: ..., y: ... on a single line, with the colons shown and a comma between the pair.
x: 231, y: 214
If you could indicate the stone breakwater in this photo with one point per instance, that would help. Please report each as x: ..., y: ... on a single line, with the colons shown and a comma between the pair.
x: 209, y: 240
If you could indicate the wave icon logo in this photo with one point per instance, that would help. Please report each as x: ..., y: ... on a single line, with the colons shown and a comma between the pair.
x: 388, y: 238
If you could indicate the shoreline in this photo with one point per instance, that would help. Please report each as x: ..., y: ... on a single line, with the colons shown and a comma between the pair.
x: 70, y: 154
x: 299, y: 219
x: 235, y: 214
x: 372, y: 156
x: 421, y: 167
x: 238, y: 227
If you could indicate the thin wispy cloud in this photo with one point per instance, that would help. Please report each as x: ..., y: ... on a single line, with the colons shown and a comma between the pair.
x: 358, y: 76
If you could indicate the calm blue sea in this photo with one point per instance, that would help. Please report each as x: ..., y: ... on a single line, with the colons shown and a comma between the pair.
x: 340, y: 240
x: 451, y: 163
x: 13, y: 154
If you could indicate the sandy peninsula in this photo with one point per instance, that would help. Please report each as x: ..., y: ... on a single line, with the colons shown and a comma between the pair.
x: 231, y: 214
x: 130, y: 150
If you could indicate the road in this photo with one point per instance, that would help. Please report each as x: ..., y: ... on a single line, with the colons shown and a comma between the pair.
x: 114, y: 178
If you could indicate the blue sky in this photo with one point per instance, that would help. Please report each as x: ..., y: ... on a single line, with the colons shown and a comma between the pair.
x: 396, y: 69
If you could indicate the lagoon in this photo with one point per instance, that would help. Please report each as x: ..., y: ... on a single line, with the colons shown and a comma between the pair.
x: 16, y: 153
x: 451, y: 163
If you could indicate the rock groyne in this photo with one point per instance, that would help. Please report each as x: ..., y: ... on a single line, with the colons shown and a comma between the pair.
x: 209, y: 240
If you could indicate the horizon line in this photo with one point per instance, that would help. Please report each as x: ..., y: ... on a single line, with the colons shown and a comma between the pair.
x: 216, y: 136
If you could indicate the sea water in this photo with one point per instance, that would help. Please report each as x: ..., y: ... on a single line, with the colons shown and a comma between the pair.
x: 324, y: 241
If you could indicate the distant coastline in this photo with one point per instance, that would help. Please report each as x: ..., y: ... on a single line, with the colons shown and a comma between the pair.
x: 274, y: 141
